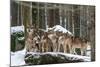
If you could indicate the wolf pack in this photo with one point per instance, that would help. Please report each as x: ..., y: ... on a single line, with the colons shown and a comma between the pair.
x: 38, y: 40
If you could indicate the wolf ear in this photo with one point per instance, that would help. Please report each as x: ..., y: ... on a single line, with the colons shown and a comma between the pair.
x: 84, y: 40
x: 28, y: 30
x: 45, y: 33
x: 67, y: 33
x: 72, y: 37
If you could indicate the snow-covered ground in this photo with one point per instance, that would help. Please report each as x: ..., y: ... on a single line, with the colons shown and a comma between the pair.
x: 17, y: 58
x: 17, y: 29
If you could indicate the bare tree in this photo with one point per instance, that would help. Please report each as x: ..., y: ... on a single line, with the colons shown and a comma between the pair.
x: 46, y: 24
x: 30, y: 13
x: 65, y: 18
x: 73, y: 21
x: 60, y: 11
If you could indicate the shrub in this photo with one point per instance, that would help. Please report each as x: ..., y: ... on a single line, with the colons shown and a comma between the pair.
x: 17, y: 39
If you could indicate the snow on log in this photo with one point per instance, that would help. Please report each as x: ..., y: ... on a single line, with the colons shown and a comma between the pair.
x: 84, y: 58
x: 53, y: 58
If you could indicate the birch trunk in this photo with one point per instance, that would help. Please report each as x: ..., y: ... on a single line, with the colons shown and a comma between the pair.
x: 60, y: 15
x: 46, y: 16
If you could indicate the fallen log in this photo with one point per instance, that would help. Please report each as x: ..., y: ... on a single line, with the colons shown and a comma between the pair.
x: 53, y: 58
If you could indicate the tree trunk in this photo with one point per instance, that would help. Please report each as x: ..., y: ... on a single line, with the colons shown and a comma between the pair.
x: 21, y: 14
x: 30, y: 13
x: 65, y: 18
x: 18, y: 15
x: 60, y: 11
x: 73, y: 21
x: 46, y: 16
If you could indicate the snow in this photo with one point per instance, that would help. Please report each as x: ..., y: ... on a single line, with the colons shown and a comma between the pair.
x: 85, y: 58
x: 59, y: 28
x: 17, y: 58
x: 21, y: 38
x: 55, y: 28
x: 17, y: 29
